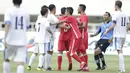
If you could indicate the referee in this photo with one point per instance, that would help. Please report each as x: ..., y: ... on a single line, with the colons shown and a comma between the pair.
x: 104, y: 40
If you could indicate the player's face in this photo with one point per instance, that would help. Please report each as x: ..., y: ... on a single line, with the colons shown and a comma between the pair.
x: 115, y: 7
x: 79, y: 9
x: 55, y: 10
x: 105, y: 17
x: 66, y: 13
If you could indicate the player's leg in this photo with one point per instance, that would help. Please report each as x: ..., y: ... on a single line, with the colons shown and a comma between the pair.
x: 42, y: 50
x: 119, y: 42
x: 60, y: 52
x: 96, y: 57
x: 67, y: 44
x: 86, y: 47
x: 73, y: 50
x: 48, y: 55
x: 20, y: 57
x: 8, y: 53
x: 103, y: 48
x: 36, y: 51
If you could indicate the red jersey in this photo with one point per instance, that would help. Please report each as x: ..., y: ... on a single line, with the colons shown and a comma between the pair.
x: 83, y: 18
x: 63, y: 32
x: 74, y: 27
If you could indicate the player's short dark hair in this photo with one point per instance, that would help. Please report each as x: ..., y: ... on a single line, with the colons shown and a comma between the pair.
x: 44, y: 11
x: 17, y: 2
x: 118, y: 3
x: 108, y: 14
x: 83, y: 7
x: 44, y: 6
x: 63, y: 9
x: 70, y: 10
x: 51, y: 7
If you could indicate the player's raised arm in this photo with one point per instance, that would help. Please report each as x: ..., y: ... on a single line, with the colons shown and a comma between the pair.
x: 114, y: 17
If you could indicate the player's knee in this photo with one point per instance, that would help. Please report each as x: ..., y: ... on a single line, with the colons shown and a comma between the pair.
x: 50, y: 52
x: 7, y: 60
x: 36, y: 54
x: 119, y: 51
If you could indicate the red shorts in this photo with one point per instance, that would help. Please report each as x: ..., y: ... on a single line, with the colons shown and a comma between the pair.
x: 74, y: 46
x: 63, y: 45
x: 81, y: 48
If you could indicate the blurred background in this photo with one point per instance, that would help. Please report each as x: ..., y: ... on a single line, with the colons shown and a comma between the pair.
x: 95, y: 9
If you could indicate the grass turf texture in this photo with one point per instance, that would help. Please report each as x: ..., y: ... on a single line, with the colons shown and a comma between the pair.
x: 111, y: 61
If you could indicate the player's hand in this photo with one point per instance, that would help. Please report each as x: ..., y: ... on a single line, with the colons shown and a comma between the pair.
x: 68, y: 27
x: 105, y: 32
x: 111, y: 40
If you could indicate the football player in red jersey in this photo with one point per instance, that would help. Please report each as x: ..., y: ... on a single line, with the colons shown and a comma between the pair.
x: 64, y: 40
x: 83, y: 25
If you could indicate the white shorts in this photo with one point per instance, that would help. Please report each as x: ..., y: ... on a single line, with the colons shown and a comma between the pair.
x: 119, y: 43
x: 17, y: 52
x: 39, y: 48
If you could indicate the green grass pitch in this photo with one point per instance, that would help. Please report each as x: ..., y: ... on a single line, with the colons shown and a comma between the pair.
x: 111, y: 61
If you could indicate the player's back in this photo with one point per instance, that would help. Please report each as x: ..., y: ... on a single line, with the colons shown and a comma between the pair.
x: 122, y: 20
x: 18, y: 19
x: 41, y: 26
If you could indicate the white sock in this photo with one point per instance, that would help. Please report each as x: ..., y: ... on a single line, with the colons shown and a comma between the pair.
x: 121, y: 62
x: 31, y: 59
x: 6, y: 67
x: 20, y: 69
x: 41, y: 61
x: 47, y: 60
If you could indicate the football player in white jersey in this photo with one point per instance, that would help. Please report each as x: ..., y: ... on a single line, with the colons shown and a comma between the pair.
x: 120, y: 23
x: 42, y: 27
x: 54, y: 21
x: 16, y: 20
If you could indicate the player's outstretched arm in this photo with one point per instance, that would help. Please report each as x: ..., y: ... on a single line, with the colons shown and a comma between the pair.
x: 110, y: 28
x: 98, y: 31
x: 59, y: 22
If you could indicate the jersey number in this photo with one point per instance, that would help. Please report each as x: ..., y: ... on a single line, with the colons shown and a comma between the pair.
x: 19, y: 22
x: 123, y: 19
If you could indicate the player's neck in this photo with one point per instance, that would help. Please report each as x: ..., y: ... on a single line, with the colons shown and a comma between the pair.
x: 82, y: 13
x: 17, y: 5
x: 119, y: 10
x: 52, y: 13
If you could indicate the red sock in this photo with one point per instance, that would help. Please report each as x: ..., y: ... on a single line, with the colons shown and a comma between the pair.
x: 76, y: 58
x: 59, y: 62
x: 86, y: 59
x: 83, y: 58
x: 69, y: 57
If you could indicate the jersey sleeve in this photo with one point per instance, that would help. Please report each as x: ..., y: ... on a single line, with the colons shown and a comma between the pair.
x: 28, y: 21
x: 99, y: 29
x: 114, y: 18
x: 52, y: 19
x: 7, y: 18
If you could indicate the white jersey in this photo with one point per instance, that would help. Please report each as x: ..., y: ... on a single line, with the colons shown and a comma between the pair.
x: 52, y: 19
x: 18, y: 19
x: 120, y: 29
x: 47, y: 34
x: 42, y: 25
